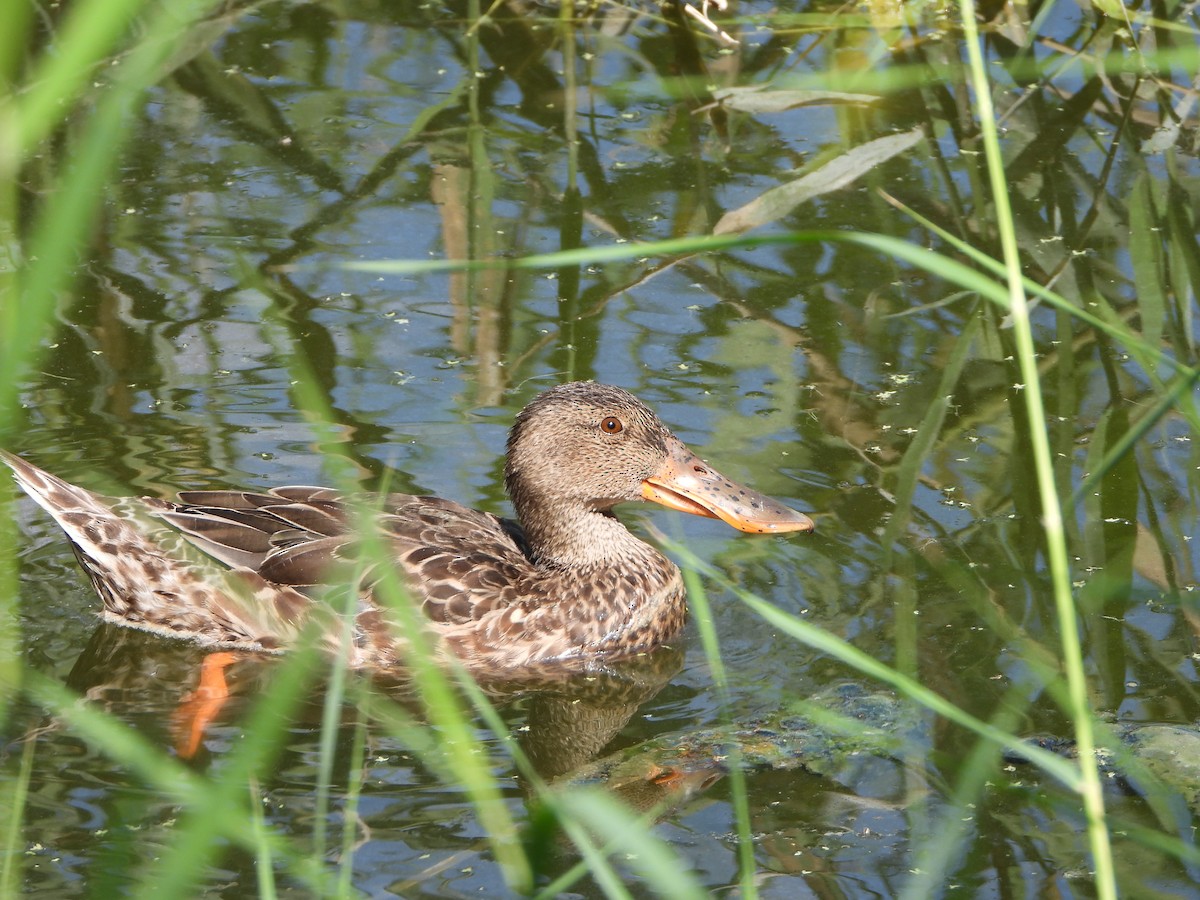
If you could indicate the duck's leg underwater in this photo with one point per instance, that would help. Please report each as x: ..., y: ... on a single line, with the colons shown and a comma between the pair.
x: 199, y: 708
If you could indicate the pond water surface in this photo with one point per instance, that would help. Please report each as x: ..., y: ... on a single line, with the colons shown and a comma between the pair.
x: 856, y: 388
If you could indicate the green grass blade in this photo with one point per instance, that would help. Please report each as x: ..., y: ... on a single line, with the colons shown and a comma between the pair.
x: 739, y: 796
x: 90, y: 32
x: 18, y: 790
x: 1052, y: 522
x: 264, y: 861
x: 650, y: 857
x: 1182, y: 387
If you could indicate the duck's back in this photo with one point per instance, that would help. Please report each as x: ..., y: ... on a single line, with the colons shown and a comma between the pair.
x: 459, y: 564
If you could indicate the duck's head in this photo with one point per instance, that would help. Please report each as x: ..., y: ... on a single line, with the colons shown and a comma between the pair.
x: 587, y: 447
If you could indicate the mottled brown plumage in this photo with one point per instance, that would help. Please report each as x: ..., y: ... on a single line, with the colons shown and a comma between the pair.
x: 569, y: 585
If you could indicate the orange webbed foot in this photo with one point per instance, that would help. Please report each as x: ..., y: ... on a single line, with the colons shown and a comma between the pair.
x: 199, y: 707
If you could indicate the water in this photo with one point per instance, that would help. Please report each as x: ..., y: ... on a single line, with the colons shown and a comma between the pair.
x: 853, y: 387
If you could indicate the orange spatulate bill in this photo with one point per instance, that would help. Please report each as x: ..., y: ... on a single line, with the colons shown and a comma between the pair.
x: 687, y: 483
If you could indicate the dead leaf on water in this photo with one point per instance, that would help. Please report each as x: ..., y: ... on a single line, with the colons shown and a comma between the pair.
x: 759, y: 100
x: 833, y: 176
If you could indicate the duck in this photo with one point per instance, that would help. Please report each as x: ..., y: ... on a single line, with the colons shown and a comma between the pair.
x: 566, y: 583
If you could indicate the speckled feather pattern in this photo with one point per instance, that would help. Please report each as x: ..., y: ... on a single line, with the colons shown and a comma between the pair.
x: 150, y: 578
x: 249, y: 569
x: 471, y: 572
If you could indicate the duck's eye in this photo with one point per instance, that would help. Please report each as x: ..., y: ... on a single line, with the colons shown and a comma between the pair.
x: 612, y: 425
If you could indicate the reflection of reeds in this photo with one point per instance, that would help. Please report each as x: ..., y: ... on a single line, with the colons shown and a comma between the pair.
x: 1045, y: 238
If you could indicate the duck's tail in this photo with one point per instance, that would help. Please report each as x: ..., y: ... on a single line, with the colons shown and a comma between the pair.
x: 149, y: 577
x: 52, y: 493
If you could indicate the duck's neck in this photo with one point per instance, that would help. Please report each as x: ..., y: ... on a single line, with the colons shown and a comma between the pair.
x: 582, y: 538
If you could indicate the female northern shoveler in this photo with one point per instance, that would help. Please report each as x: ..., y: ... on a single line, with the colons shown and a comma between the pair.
x: 243, y: 569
